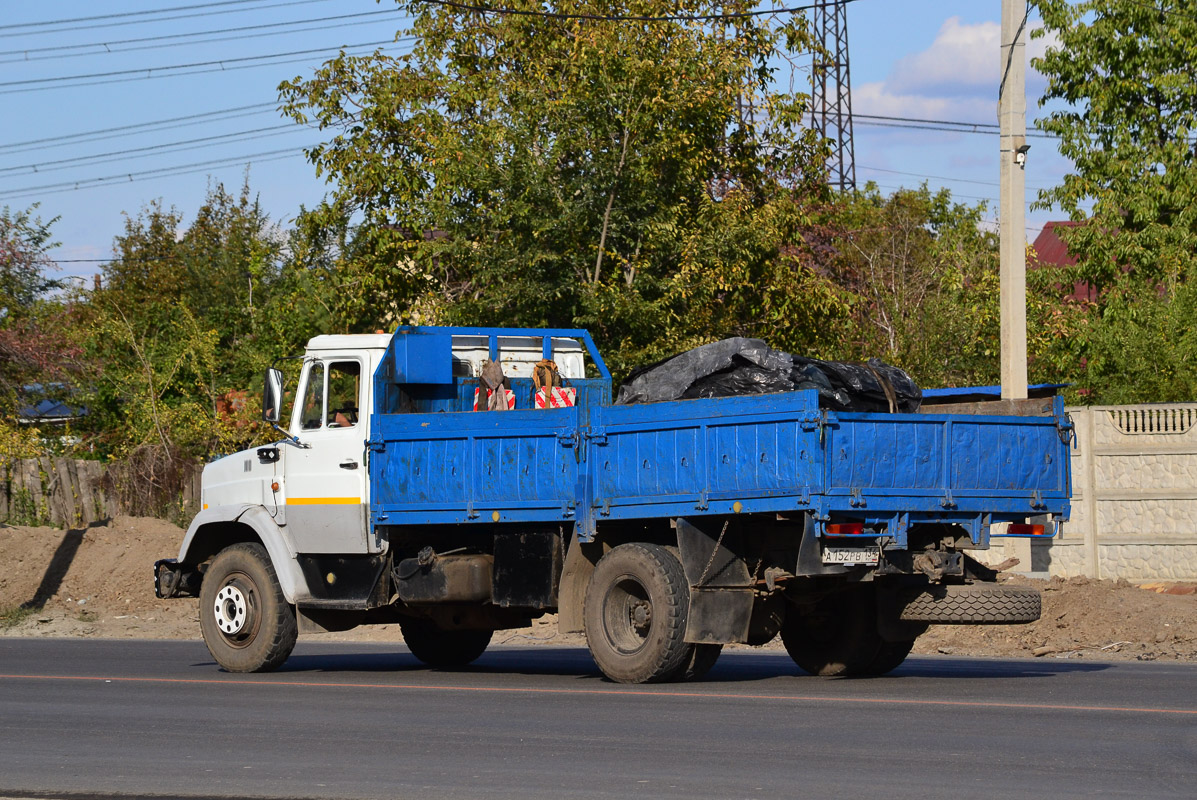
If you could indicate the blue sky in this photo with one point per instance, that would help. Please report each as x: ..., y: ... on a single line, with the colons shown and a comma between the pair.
x: 932, y: 59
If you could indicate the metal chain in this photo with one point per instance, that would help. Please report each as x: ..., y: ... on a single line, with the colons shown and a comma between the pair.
x: 702, y: 579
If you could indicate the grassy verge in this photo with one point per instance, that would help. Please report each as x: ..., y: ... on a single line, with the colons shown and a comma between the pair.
x: 14, y: 616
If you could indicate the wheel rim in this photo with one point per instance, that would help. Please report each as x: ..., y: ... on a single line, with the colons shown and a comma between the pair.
x: 627, y: 615
x: 236, y: 610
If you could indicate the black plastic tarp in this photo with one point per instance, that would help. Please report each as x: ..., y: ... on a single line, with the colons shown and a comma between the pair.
x: 741, y: 366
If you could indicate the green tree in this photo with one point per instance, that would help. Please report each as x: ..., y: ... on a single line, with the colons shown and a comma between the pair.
x: 1122, y: 98
x: 921, y: 272
x: 35, y: 351
x: 182, y: 328
x: 25, y: 265
x: 642, y: 178
x: 340, y: 277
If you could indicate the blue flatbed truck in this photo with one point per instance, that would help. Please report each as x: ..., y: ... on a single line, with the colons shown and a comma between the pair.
x: 661, y: 530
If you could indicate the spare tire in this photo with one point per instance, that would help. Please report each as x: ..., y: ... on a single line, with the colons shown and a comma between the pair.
x: 972, y: 604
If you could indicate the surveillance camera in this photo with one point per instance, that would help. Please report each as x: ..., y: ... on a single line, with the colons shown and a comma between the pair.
x: 1020, y: 155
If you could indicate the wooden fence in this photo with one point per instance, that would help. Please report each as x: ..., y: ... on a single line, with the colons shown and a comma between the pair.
x: 70, y: 493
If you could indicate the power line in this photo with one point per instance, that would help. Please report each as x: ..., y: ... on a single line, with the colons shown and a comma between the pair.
x: 52, y: 141
x: 123, y: 22
x: 171, y: 40
x: 935, y: 177
x: 877, y: 124
x: 993, y: 125
x: 515, y: 12
x: 149, y: 70
x: 161, y: 172
x: 219, y: 68
x: 155, y: 149
x: 100, y: 260
x: 46, y: 23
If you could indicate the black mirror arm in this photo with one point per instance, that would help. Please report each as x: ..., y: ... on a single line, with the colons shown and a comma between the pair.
x: 288, y: 437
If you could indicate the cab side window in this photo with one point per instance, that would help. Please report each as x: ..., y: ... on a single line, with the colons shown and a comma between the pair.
x: 313, y: 398
x: 344, y: 380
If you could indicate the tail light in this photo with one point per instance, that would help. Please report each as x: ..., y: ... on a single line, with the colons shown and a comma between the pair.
x: 845, y: 529
x: 1020, y: 529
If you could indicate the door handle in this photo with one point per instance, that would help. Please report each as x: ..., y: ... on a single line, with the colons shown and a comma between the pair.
x: 350, y: 464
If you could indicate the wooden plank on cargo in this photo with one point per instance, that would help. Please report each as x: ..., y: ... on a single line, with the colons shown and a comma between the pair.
x: 1030, y: 407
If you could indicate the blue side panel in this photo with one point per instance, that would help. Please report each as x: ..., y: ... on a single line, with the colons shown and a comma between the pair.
x: 994, y: 456
x: 885, y: 453
x: 456, y: 468
x: 649, y: 463
x: 678, y: 458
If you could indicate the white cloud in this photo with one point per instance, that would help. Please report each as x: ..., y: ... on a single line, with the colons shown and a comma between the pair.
x: 955, y: 78
x: 880, y: 99
x: 963, y: 56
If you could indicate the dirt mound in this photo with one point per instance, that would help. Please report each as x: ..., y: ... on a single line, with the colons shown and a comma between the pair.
x: 94, y: 581
x: 1085, y: 618
x: 98, y: 581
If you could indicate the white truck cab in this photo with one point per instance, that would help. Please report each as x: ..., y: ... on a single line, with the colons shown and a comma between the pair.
x: 308, y: 494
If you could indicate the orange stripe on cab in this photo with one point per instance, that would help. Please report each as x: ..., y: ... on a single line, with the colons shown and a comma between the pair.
x: 324, y: 501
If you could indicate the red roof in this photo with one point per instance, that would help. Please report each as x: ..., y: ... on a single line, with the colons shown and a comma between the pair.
x: 1050, y: 249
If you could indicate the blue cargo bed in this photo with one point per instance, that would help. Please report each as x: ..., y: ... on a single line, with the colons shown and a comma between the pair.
x: 440, y: 462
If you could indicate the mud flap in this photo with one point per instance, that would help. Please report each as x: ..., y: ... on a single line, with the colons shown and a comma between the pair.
x: 721, y: 591
x: 580, y: 560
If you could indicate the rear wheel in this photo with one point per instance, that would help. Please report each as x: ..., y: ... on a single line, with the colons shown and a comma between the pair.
x: 837, y: 636
x: 441, y: 648
x: 702, y: 658
x: 888, y: 658
x: 247, y: 623
x: 635, y: 617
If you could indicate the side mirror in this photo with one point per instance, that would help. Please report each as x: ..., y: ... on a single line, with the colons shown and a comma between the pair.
x: 272, y: 396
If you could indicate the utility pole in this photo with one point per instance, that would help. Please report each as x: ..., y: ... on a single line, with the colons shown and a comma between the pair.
x: 1012, y: 121
x: 831, y: 98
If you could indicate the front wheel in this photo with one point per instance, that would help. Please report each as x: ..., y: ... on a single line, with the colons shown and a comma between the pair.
x: 247, y: 623
x: 635, y: 617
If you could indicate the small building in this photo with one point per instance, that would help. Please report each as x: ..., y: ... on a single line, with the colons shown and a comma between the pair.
x: 1050, y: 250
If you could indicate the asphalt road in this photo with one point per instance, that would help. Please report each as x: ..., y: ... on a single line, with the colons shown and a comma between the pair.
x: 88, y: 718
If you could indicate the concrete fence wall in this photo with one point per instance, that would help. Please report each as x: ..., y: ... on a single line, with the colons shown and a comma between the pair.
x: 1134, y: 505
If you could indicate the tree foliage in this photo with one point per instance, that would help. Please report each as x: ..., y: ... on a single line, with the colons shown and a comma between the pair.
x: 25, y: 266
x: 1122, y: 98
x: 921, y: 272
x: 641, y: 178
x: 34, y: 348
x: 186, y: 319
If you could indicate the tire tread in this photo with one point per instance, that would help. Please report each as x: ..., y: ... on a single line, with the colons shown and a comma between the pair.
x: 976, y: 604
x: 675, y: 657
x: 278, y: 616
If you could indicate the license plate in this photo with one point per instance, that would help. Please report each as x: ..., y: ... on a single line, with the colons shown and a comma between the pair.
x: 850, y: 556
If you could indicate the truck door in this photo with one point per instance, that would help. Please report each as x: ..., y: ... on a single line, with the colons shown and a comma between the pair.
x: 325, y: 480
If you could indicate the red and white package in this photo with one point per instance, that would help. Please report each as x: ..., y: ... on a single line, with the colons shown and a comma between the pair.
x: 559, y: 398
x: 489, y: 393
